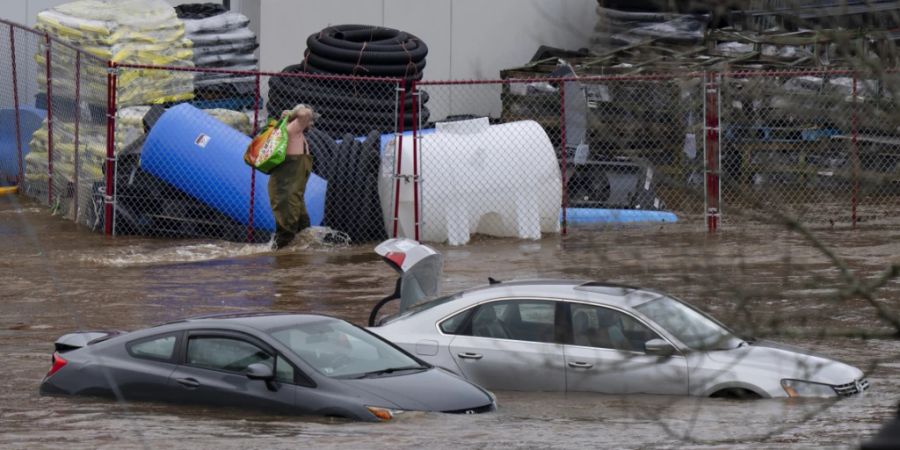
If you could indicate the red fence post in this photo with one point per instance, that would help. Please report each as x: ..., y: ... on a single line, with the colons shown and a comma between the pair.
x: 253, y: 170
x: 711, y: 160
x: 111, y: 76
x: 49, y: 121
x: 77, y: 116
x: 564, y: 156
x: 20, y: 174
x: 854, y: 125
x: 398, y: 154
x: 415, y: 160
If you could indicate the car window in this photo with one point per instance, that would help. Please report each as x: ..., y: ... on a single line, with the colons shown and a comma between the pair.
x: 162, y: 348
x: 690, y: 326
x: 521, y: 320
x: 424, y: 306
x: 222, y: 353
x: 284, y: 371
x: 338, y: 349
x: 594, y: 326
x: 455, y: 324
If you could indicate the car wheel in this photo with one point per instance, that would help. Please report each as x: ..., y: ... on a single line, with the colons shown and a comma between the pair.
x: 736, y: 394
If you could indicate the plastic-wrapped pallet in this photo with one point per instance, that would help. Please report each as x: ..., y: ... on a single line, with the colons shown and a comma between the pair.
x: 222, y: 40
x: 123, y: 31
x: 625, y: 23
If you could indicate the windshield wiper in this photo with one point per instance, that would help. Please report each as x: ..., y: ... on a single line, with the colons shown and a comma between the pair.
x: 390, y: 370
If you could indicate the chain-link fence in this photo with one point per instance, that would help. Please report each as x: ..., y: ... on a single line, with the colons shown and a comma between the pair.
x: 54, y: 127
x: 180, y: 171
x: 822, y: 145
x: 521, y: 156
x: 152, y: 150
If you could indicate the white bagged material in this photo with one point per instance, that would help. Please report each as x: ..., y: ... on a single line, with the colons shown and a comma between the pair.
x: 228, y: 37
x: 228, y: 20
x: 226, y: 59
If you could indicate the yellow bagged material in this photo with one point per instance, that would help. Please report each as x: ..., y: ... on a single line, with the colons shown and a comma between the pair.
x: 144, y: 32
x: 133, y: 86
x: 91, y: 155
x: 92, y: 143
x: 36, y: 168
x: 234, y: 119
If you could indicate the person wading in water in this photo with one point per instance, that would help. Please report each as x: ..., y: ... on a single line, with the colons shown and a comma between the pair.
x: 287, y: 181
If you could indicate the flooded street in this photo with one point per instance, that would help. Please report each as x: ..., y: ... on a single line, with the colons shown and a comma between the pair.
x: 58, y: 277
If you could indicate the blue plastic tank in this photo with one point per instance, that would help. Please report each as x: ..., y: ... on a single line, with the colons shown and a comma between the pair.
x: 602, y: 215
x: 204, y: 157
x: 29, y: 121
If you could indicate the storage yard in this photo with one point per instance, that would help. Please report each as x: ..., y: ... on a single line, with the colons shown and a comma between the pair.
x: 681, y: 113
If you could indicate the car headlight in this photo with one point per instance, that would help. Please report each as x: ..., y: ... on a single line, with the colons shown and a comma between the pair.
x: 798, y: 388
x: 384, y: 413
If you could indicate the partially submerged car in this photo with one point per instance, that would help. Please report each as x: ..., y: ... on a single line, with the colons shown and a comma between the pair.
x: 286, y: 363
x: 560, y: 335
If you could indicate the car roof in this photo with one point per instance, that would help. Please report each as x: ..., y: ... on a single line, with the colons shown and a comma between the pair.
x: 261, y: 320
x: 598, y: 291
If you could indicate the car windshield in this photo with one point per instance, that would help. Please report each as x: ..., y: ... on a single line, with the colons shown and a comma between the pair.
x: 339, y: 349
x: 690, y: 326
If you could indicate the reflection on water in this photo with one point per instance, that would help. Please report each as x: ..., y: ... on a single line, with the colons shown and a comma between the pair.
x: 58, y: 277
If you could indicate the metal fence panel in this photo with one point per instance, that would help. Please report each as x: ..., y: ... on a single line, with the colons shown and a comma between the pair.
x: 649, y: 128
x: 816, y: 144
x: 442, y: 160
x: 76, y: 134
x: 28, y: 110
x: 616, y: 145
x: 181, y: 174
x: 60, y: 130
x: 358, y: 116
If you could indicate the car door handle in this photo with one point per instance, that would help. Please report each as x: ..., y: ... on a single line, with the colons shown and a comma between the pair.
x: 470, y: 355
x: 580, y: 365
x: 189, y: 383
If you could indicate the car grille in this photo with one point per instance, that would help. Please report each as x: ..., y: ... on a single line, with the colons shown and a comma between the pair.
x: 856, y: 387
x: 478, y: 410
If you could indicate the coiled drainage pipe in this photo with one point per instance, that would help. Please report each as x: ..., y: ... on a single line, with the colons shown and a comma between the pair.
x: 350, y: 106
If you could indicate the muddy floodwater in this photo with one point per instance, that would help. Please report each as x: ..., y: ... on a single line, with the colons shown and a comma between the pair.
x: 58, y: 277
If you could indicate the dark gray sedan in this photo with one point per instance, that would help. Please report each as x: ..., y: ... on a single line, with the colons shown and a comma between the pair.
x: 287, y: 363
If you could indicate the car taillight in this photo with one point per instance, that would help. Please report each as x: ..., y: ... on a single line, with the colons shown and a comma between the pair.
x: 58, y: 363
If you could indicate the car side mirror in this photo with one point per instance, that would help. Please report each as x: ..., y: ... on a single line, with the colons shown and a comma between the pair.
x: 659, y: 347
x: 263, y: 372
x: 259, y: 371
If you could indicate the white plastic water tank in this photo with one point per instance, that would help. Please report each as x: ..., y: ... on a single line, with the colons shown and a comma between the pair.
x: 498, y: 180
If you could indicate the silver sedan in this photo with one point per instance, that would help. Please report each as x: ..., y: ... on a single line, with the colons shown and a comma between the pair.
x: 552, y: 335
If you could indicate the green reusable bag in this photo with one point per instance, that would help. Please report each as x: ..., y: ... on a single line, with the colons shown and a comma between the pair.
x: 273, y: 150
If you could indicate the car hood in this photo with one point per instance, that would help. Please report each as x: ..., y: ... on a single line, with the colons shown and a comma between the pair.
x: 429, y: 390
x: 786, y: 361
